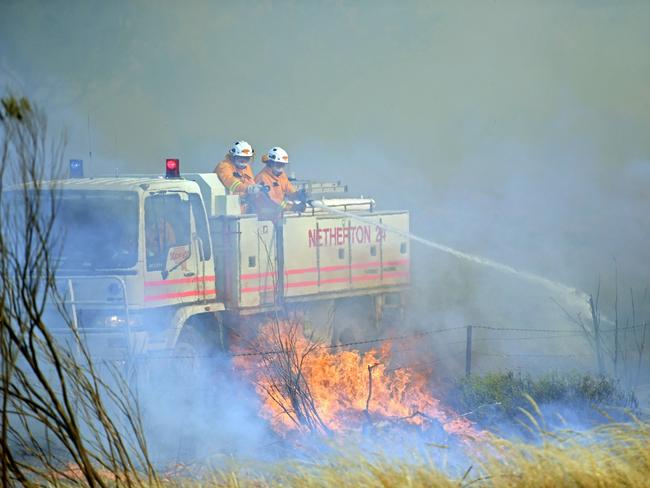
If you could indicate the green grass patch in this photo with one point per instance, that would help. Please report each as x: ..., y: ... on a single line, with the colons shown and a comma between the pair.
x: 495, y: 397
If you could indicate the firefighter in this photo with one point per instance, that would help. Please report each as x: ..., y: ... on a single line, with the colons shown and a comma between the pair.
x: 235, y: 172
x: 159, y: 237
x: 276, y: 183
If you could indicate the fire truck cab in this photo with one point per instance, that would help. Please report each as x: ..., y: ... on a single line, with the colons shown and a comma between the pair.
x: 154, y: 263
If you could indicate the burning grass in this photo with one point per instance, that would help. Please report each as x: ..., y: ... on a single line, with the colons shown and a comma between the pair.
x: 305, y: 386
x: 308, y: 390
x: 349, y: 391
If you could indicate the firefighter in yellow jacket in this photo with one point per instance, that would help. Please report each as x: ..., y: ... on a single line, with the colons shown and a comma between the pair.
x: 275, y: 181
x: 235, y: 172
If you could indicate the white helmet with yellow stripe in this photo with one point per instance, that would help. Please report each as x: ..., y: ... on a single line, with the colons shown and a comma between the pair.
x: 241, y: 149
x: 277, y: 155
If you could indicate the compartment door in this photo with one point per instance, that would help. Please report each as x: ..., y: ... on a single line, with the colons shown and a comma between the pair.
x: 225, y: 246
x: 365, y: 252
x: 267, y: 238
x: 395, y: 262
x: 249, y: 263
x: 300, y: 256
x: 333, y: 254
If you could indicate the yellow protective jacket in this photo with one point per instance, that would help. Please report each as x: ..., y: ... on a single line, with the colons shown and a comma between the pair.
x: 234, y: 179
x: 279, y: 186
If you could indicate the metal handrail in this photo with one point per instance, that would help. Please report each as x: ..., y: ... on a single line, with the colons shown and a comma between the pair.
x: 74, y: 303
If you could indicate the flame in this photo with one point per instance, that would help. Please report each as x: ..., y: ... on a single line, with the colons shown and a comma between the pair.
x: 307, y: 386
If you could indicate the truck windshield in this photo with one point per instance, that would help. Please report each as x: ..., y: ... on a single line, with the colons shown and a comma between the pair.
x: 98, y: 229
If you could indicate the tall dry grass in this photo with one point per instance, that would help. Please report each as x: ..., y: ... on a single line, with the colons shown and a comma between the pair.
x: 615, y: 454
x: 59, y: 417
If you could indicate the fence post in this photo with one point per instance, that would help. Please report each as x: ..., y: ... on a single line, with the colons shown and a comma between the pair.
x: 468, y: 352
x: 596, y: 321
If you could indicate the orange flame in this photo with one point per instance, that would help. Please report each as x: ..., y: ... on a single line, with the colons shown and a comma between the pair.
x: 341, y: 390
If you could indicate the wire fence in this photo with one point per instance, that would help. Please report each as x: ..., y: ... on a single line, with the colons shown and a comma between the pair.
x: 497, y: 335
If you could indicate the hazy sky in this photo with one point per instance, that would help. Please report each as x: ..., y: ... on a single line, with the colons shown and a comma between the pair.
x: 516, y: 128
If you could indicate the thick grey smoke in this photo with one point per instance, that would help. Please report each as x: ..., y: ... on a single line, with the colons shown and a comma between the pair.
x: 516, y: 131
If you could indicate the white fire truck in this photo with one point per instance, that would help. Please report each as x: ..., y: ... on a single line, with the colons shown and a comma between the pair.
x: 171, y: 263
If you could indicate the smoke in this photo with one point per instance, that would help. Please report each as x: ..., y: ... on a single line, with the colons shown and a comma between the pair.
x: 516, y: 132
x: 207, y: 415
x: 529, y: 209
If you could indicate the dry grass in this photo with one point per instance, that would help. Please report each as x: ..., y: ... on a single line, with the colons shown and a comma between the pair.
x: 611, y: 455
x: 59, y: 419
x: 616, y: 454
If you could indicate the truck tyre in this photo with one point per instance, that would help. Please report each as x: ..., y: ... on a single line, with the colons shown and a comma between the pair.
x: 196, y: 350
x: 184, y: 380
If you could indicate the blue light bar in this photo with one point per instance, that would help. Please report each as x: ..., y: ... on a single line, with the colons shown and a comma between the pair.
x: 76, y: 168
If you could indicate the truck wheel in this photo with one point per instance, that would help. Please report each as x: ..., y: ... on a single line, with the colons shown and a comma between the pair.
x: 196, y: 352
x: 190, y: 381
x: 188, y: 357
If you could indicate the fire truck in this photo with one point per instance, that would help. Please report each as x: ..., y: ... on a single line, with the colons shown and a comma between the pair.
x: 152, y: 264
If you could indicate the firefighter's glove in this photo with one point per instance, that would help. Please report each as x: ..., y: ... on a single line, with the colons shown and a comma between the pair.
x: 301, y: 195
x: 299, y: 207
x: 254, y: 189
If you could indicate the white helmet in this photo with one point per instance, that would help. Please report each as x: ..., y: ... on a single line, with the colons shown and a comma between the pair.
x: 278, y: 155
x: 241, y: 148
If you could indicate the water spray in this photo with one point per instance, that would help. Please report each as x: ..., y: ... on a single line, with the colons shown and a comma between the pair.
x: 572, y: 296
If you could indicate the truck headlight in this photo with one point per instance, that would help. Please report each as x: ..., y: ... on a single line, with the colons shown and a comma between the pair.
x: 120, y: 321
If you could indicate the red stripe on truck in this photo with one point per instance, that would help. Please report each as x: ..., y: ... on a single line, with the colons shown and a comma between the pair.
x: 254, y: 289
x: 301, y: 271
x: 329, y: 281
x: 190, y: 293
x: 398, y: 262
x: 180, y: 281
x: 252, y: 276
x: 326, y: 269
x: 374, y: 264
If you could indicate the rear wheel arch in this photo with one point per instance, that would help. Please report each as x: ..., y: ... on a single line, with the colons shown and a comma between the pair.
x: 194, y: 321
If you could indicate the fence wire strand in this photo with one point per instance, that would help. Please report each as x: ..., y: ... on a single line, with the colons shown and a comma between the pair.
x: 560, y: 333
